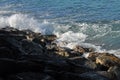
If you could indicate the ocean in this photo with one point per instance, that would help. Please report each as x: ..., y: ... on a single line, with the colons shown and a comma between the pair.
x: 88, y: 23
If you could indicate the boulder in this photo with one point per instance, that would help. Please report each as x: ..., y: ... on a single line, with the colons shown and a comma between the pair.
x: 92, y: 56
x: 106, y: 74
x: 82, y: 49
x: 83, y: 61
x: 92, y: 76
x: 11, y: 66
x: 116, y: 71
x: 31, y: 48
x: 29, y: 76
x: 107, y: 59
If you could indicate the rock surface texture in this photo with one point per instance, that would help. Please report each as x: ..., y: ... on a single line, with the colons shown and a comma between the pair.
x: 25, y: 55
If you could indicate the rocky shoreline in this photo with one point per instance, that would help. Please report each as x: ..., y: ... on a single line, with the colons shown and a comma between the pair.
x: 25, y: 55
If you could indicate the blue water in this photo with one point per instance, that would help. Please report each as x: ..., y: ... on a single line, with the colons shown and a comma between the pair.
x: 91, y: 22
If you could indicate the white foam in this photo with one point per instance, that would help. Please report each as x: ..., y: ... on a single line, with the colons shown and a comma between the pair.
x: 69, y: 39
x: 66, y: 36
x: 22, y: 21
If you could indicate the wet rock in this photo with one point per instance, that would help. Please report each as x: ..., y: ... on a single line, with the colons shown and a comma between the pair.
x: 10, y: 66
x: 107, y: 59
x: 82, y: 49
x: 12, y: 33
x: 44, y: 39
x: 116, y: 71
x: 63, y: 53
x: 10, y: 48
x: 51, y: 47
x: 76, y: 68
x: 79, y: 49
x: 104, y: 59
x: 92, y: 56
x: 25, y: 55
x: 83, y: 61
x: 67, y: 52
x: 6, y: 53
x: 31, y: 47
x: 69, y: 76
x: 29, y: 76
x: 92, y: 76
x: 32, y: 36
x: 49, y: 38
x: 106, y: 74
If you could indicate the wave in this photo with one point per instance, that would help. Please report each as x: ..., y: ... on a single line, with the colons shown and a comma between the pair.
x: 100, y: 36
x: 22, y: 21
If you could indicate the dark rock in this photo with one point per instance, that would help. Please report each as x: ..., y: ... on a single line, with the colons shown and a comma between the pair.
x: 31, y: 48
x: 92, y: 76
x: 106, y: 74
x: 26, y: 55
x: 116, y: 71
x: 83, y: 61
x: 10, y: 48
x: 10, y: 66
x: 76, y: 68
x: 29, y: 76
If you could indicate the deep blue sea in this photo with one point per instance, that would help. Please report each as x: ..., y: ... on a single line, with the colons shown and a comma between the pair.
x: 89, y: 23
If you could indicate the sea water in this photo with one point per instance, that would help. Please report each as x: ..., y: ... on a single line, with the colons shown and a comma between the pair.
x: 88, y: 23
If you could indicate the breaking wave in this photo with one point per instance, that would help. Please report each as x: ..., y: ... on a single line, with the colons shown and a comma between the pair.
x: 100, y: 36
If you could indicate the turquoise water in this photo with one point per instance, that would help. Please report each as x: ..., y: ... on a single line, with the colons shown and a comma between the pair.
x: 91, y: 23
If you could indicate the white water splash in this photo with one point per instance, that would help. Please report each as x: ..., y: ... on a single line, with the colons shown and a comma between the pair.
x: 66, y: 36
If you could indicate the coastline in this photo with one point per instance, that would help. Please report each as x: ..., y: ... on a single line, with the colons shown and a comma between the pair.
x: 24, y: 53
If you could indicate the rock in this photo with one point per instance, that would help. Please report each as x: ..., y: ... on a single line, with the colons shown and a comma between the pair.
x: 89, y: 49
x: 10, y: 66
x: 64, y: 75
x: 92, y: 76
x: 69, y: 76
x: 76, y: 68
x: 6, y: 53
x: 31, y: 35
x: 107, y: 59
x: 83, y: 61
x: 82, y: 49
x: 10, y: 48
x: 31, y: 48
x: 67, y: 52
x: 26, y: 55
x: 63, y: 53
x: 79, y: 49
x: 92, y: 56
x: 106, y: 74
x: 51, y: 47
x: 29, y: 76
x: 104, y: 59
x: 116, y: 71
x: 12, y: 33
x: 49, y: 38
x: 9, y: 29
x: 44, y: 39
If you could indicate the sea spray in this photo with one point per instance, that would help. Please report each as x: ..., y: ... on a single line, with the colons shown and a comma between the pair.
x: 93, y: 35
